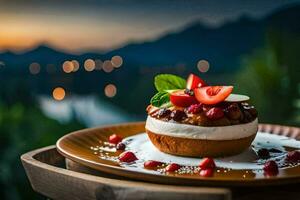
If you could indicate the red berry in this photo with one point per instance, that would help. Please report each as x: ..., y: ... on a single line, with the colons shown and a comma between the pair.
x: 172, y: 167
x: 195, y: 108
x: 114, y: 139
x: 120, y: 146
x: 270, y: 168
x: 152, y: 164
x: 214, y: 113
x: 127, y: 156
x: 206, y: 172
x: 293, y: 156
x: 207, y: 163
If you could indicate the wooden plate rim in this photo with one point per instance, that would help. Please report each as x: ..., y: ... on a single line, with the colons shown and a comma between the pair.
x: 288, y: 131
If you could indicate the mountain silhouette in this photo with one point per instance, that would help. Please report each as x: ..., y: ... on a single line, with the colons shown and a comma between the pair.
x: 222, y: 46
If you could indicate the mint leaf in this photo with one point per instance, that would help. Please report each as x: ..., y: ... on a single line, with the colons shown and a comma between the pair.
x: 164, y: 82
x: 160, y: 99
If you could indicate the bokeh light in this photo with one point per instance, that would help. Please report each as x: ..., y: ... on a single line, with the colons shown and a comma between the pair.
x: 107, y: 66
x: 203, y: 66
x: 89, y: 65
x: 117, y: 61
x: 2, y: 63
x: 110, y: 90
x: 59, y: 93
x: 98, y: 64
x: 68, y: 66
x: 75, y: 65
x: 34, y: 68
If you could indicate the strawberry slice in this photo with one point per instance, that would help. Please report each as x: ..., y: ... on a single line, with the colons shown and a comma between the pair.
x: 207, y: 163
x: 152, y: 164
x: 127, y: 156
x: 114, y: 139
x: 194, y: 81
x: 206, y: 172
x: 181, y: 99
x: 172, y: 167
x: 212, y: 94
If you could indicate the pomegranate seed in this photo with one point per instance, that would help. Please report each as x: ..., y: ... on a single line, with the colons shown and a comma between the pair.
x: 152, y: 164
x: 293, y: 156
x: 127, y: 156
x: 194, y: 109
x: 114, y: 139
x: 263, y: 153
x: 206, y: 172
x: 270, y: 168
x: 120, y: 146
x: 214, y: 113
x: 207, y: 163
x: 172, y: 167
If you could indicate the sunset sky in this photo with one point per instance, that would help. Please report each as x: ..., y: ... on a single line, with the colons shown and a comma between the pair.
x: 106, y: 24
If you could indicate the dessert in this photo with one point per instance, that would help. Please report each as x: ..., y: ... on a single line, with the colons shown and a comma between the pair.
x: 190, y: 118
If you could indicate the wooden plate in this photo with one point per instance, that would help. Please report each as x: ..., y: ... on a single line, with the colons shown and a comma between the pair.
x: 76, y: 146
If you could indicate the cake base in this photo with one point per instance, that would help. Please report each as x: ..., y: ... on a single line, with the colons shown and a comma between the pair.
x: 199, y: 147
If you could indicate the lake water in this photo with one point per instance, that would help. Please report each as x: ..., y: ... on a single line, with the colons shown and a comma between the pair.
x: 89, y: 110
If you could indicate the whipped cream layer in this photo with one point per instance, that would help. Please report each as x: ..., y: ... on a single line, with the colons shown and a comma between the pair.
x: 201, y: 132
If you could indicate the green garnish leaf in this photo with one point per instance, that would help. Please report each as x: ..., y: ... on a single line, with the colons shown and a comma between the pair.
x: 160, y: 98
x: 165, y: 82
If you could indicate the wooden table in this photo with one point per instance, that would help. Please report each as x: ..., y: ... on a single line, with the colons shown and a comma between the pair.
x: 53, y: 176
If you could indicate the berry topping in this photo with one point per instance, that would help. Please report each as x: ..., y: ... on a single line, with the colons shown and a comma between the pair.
x: 189, y: 92
x: 212, y: 94
x: 181, y: 99
x: 120, y: 146
x: 195, y: 108
x: 214, y: 113
x: 127, y: 156
x: 115, y: 139
x: 152, y: 164
x: 172, y: 167
x: 207, y: 163
x: 164, y: 112
x: 178, y: 115
x: 206, y: 172
x: 293, y: 156
x: 263, y: 153
x: 233, y: 111
x: 270, y: 168
x: 194, y: 81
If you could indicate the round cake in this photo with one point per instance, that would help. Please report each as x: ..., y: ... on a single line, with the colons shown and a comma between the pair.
x: 195, y: 124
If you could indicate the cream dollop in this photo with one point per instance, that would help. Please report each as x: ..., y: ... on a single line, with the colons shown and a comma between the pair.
x: 201, y: 132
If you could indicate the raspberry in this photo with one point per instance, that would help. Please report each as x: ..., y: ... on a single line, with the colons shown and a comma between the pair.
x: 172, y: 167
x: 127, y: 156
x: 293, y: 156
x: 207, y: 163
x: 120, y: 146
x: 206, y: 172
x: 214, y: 113
x: 152, y: 164
x: 270, y: 168
x: 115, y: 139
x: 194, y: 109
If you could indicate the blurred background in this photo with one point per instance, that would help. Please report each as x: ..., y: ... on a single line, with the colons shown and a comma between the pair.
x: 67, y: 65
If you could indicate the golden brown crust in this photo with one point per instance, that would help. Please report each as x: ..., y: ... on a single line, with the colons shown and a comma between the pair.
x: 199, y: 147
